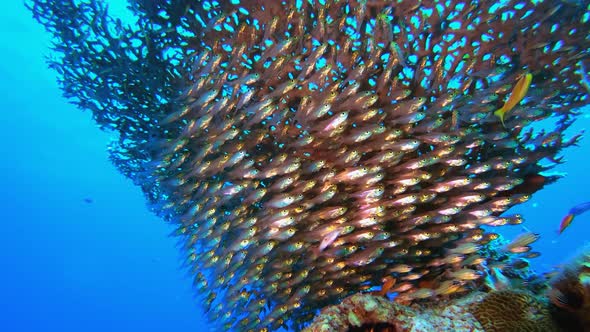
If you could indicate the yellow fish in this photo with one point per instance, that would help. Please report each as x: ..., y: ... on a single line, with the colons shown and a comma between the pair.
x: 518, y: 92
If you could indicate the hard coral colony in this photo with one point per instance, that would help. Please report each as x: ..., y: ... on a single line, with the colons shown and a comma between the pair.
x: 308, y: 149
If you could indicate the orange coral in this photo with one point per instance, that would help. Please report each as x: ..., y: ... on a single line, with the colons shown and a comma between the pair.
x: 512, y: 310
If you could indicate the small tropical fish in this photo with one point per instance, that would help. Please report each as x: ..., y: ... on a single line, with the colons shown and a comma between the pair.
x: 520, y: 89
x: 522, y: 240
x: 388, y: 283
x: 403, y: 287
x: 496, y: 280
x: 575, y: 211
x: 465, y: 248
x: 400, y: 268
x: 585, y: 80
x: 466, y: 274
x: 366, y: 256
x: 329, y: 239
x: 520, y: 250
x: 565, y: 222
x: 422, y: 293
x: 448, y: 287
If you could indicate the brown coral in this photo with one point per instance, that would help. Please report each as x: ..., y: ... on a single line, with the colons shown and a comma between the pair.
x: 362, y: 310
x: 512, y: 310
x: 366, y: 312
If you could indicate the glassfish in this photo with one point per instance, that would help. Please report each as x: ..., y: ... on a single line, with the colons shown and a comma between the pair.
x: 585, y: 80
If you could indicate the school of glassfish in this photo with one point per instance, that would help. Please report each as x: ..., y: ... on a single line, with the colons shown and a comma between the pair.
x: 310, y: 150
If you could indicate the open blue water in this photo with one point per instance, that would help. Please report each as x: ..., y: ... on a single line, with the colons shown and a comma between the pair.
x: 78, y: 249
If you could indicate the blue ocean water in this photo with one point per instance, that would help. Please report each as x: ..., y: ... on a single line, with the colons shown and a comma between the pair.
x: 79, y: 249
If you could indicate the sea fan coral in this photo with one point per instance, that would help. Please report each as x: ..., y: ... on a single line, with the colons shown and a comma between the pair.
x: 306, y: 150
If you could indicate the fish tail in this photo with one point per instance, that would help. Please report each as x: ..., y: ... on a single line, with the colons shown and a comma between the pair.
x: 500, y: 113
x: 315, y: 253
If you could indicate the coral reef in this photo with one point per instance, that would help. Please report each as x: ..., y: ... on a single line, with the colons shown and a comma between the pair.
x: 307, y: 150
x: 507, y: 310
x: 560, y: 303
x: 365, y: 312
x: 361, y: 310
x: 514, y: 310
x: 569, y: 293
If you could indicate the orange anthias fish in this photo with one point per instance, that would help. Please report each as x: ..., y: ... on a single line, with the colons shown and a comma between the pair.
x: 388, y: 283
x: 565, y: 222
x: 518, y: 92
x: 569, y: 217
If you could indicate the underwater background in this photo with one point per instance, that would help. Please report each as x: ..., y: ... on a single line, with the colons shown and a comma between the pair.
x: 79, y: 248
